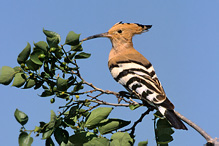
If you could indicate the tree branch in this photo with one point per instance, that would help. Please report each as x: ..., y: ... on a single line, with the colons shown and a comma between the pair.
x: 208, y: 138
x: 107, y: 103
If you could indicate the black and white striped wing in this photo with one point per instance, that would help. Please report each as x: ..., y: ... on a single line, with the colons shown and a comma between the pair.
x: 134, y: 76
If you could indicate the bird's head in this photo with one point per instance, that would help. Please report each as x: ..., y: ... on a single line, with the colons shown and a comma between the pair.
x: 122, y: 31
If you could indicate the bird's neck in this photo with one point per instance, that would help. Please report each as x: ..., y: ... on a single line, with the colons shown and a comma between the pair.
x: 119, y: 47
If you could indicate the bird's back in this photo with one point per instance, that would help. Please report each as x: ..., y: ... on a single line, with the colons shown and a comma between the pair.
x: 135, y: 72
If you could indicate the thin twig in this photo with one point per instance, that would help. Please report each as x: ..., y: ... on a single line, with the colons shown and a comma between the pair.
x: 93, y: 107
x: 98, y: 89
x: 67, y: 107
x: 107, y: 103
x: 95, y: 97
x: 80, y: 93
x: 138, y: 121
x: 133, y: 100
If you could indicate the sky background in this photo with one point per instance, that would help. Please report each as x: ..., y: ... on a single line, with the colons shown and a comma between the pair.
x: 183, y: 46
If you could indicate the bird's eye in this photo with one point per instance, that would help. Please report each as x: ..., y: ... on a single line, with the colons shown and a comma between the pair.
x: 119, y: 31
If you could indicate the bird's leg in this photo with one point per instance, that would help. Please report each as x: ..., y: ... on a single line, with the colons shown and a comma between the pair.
x: 121, y: 95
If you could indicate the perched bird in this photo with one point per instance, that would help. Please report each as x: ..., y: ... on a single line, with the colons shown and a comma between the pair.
x: 135, y: 72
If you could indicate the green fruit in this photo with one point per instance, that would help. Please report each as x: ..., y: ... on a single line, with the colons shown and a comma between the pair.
x: 52, y: 49
x: 52, y: 100
x: 31, y: 74
x: 41, y: 56
x: 66, y: 67
x: 63, y: 64
x: 26, y: 68
x: 22, y: 65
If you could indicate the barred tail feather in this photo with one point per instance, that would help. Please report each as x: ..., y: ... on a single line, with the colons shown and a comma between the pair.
x: 172, y: 118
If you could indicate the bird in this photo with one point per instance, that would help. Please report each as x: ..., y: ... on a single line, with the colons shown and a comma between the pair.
x: 132, y: 70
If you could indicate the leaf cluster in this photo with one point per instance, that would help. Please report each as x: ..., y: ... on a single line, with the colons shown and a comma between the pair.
x: 41, y: 66
x: 89, y: 128
x: 53, y: 68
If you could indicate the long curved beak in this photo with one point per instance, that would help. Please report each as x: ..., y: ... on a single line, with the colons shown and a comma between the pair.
x: 106, y: 34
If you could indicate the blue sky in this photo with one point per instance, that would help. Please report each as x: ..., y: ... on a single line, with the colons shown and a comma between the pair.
x: 182, y: 45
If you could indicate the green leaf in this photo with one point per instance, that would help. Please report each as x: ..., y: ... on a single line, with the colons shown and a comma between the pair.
x: 47, y: 133
x: 78, y: 87
x: 84, y: 112
x: 68, y: 144
x: 77, y: 48
x: 53, y: 42
x: 6, y: 75
x: 73, y: 111
x: 30, y: 83
x: 61, y: 136
x: 109, y: 125
x: 52, y: 118
x: 133, y: 107
x: 121, y: 139
x: 52, y: 38
x: 69, y: 122
x: 49, y: 129
x: 164, y: 139
x: 21, y: 117
x: 100, y: 141
x: 82, y: 55
x: 41, y: 45
x: 18, y: 69
x: 96, y: 116
x: 32, y: 66
x: 59, y: 53
x: 81, y: 137
x: 62, y: 84
x: 25, y: 139
x: 163, y: 132
x: 72, y: 38
x: 51, y: 34
x: 23, y: 56
x: 19, y: 79
x: 143, y: 143
x: 49, y: 142
x: 35, y: 57
x: 46, y: 93
x: 38, y: 84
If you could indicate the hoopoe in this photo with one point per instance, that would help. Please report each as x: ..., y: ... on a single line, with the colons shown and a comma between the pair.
x: 135, y: 72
